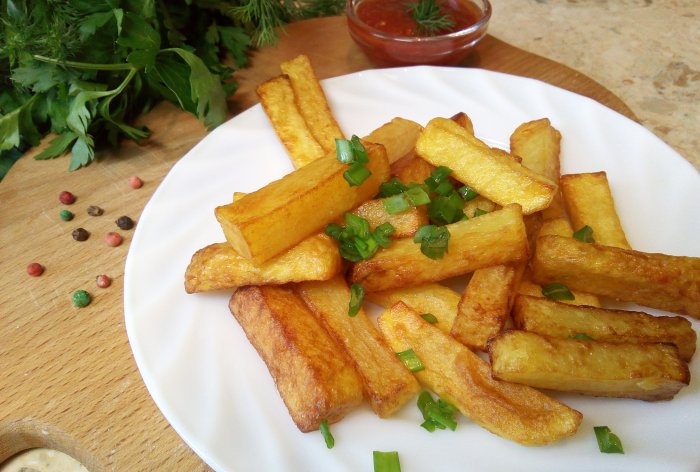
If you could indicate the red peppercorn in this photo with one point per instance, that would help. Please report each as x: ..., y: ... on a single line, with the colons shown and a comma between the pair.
x: 103, y: 281
x: 113, y: 239
x: 35, y: 269
x: 135, y: 182
x: 66, y: 197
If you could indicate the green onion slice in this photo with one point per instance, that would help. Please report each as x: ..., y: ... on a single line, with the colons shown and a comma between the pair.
x: 392, y: 187
x: 436, y: 414
x: 353, y: 153
x: 357, y: 294
x: 446, y: 209
x: 356, y: 174
x: 396, y: 204
x: 582, y: 337
x: 411, y: 360
x: 584, y: 234
x: 429, y: 317
x: 467, y: 193
x: 557, y: 291
x: 386, y: 461
x: 326, y: 433
x: 478, y: 212
x: 608, y: 442
x: 433, y: 240
x: 343, y: 151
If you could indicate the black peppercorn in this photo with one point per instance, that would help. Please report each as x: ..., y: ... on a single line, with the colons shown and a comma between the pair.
x: 95, y: 210
x: 124, y: 222
x: 80, y: 234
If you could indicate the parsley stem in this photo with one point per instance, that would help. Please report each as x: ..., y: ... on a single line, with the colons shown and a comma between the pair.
x: 83, y: 65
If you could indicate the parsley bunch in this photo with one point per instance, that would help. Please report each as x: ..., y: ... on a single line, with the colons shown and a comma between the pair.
x: 85, y: 69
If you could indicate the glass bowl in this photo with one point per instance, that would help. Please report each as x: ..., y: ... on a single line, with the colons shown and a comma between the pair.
x: 396, y: 49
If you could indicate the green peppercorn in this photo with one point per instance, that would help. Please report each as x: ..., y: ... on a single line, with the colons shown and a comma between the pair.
x: 66, y: 215
x: 81, y: 298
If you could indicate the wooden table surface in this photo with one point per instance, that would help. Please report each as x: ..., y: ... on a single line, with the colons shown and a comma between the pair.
x: 68, y: 379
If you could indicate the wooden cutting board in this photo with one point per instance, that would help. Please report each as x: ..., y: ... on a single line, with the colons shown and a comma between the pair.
x: 68, y: 380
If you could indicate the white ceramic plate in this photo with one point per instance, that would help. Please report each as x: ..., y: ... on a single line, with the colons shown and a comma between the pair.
x: 216, y: 392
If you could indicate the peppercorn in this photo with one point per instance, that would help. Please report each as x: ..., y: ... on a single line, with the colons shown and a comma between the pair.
x: 66, y: 197
x: 80, y: 234
x: 113, y: 239
x: 35, y: 269
x: 66, y: 215
x: 135, y: 182
x: 124, y: 222
x: 81, y: 298
x: 103, y: 281
x: 95, y: 210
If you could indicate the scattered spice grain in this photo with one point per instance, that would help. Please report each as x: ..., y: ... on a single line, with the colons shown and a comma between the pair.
x: 135, y: 182
x: 35, y: 269
x: 113, y: 239
x: 94, y: 210
x: 103, y: 281
x: 66, y: 197
x: 80, y: 234
x: 124, y: 222
x: 81, y: 298
x: 66, y: 215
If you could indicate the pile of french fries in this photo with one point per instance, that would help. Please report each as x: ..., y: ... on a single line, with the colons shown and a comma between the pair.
x: 291, y: 289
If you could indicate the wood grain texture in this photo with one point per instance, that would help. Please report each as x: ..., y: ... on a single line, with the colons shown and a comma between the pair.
x: 69, y: 380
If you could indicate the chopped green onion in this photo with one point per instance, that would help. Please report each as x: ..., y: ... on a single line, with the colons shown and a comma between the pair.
x: 411, y: 360
x: 417, y: 195
x: 479, y: 212
x: 357, y: 294
x: 584, y: 234
x: 467, y: 193
x: 446, y: 209
x: 582, y: 337
x: 386, y: 461
x: 356, y: 240
x: 436, y: 414
x: 557, y: 291
x: 429, y: 317
x: 608, y: 442
x: 357, y: 225
x: 358, y: 150
x: 343, y: 151
x: 396, y: 204
x: 382, y: 234
x: 326, y: 433
x: 433, y: 240
x: 356, y: 174
x: 437, y: 178
x: 392, y: 187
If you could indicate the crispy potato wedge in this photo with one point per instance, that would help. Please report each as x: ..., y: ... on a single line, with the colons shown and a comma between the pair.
x: 561, y: 320
x: 277, y: 99
x: 398, y: 137
x: 405, y: 223
x: 436, y: 299
x: 492, y: 173
x: 651, y: 371
x: 495, y: 238
x: 218, y: 266
x: 388, y: 385
x: 662, y: 281
x: 484, y: 306
x: 411, y: 168
x: 463, y: 120
x: 312, y: 102
x: 462, y: 378
x: 314, y: 376
x: 537, y: 143
x: 589, y: 201
x: 283, y: 213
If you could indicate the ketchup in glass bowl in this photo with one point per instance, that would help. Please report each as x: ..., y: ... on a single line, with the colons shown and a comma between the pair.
x: 411, y: 32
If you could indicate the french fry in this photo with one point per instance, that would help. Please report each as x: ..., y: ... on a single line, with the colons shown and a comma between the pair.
x: 438, y: 300
x: 283, y: 213
x: 218, y: 266
x: 405, y: 223
x: 556, y: 319
x: 411, y: 168
x: 492, y: 173
x: 311, y: 371
x: 312, y: 102
x: 589, y: 201
x: 398, y: 137
x: 388, y: 385
x: 462, y: 378
x: 277, y: 99
x: 485, y: 305
x: 537, y: 142
x: 494, y: 238
x: 650, y: 371
x: 662, y: 281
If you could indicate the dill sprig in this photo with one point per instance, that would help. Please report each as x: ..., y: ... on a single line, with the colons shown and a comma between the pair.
x: 429, y: 17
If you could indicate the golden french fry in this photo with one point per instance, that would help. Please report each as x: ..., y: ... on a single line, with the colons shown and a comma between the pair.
x: 662, y: 281
x: 312, y: 373
x: 462, y: 378
x: 492, y: 173
x: 495, y: 238
x: 388, y: 385
x: 438, y: 300
x: 463, y: 120
x: 312, y: 102
x: 405, y: 223
x: 277, y: 99
x: 485, y: 305
x: 411, y: 168
x: 283, y: 213
x: 537, y: 142
x: 553, y: 318
x: 218, y: 266
x: 650, y: 371
x: 398, y: 137
x: 589, y: 202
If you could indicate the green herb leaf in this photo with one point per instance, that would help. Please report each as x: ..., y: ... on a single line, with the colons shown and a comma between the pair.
x: 608, y: 442
x: 429, y: 17
x: 386, y: 461
x: 436, y: 414
x: 429, y: 317
x: 433, y: 240
x: 326, y: 433
x: 584, y: 234
x: 411, y: 360
x: 357, y: 294
x: 557, y: 291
